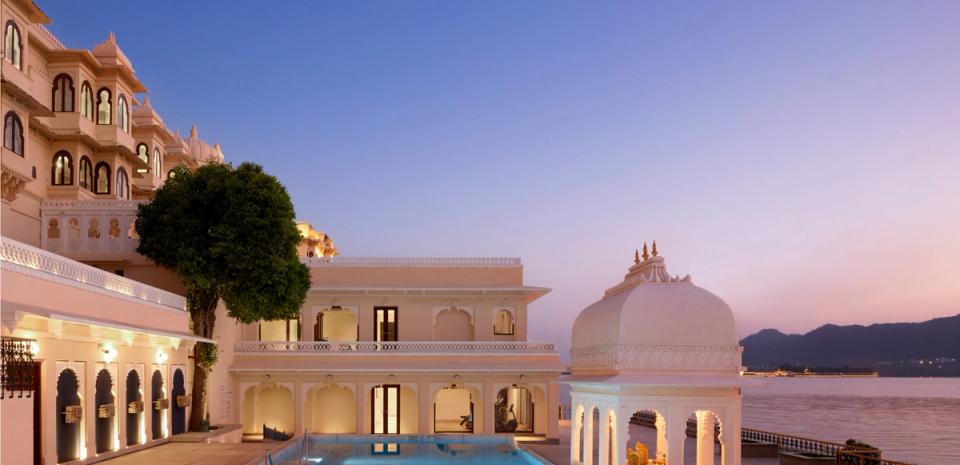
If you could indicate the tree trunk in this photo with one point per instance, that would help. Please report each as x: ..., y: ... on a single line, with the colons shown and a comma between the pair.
x: 202, y: 304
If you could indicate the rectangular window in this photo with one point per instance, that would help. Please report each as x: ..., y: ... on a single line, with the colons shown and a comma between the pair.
x: 280, y: 330
x: 385, y: 324
x: 385, y: 400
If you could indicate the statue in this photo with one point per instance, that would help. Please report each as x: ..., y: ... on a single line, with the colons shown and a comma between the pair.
x: 640, y: 456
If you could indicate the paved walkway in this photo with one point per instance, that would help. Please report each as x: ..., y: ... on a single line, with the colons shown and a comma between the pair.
x: 195, y: 453
x: 559, y: 454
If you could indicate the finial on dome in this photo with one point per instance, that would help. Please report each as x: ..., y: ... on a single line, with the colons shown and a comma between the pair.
x: 636, y: 256
x: 193, y: 131
x: 654, y: 248
x: 146, y: 100
x: 111, y: 38
x: 645, y: 254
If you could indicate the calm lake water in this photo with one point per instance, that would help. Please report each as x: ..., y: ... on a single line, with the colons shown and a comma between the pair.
x: 911, y: 419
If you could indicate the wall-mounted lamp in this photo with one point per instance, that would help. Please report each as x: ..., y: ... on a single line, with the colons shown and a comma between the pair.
x: 109, y: 352
x: 162, y: 356
x: 34, y: 348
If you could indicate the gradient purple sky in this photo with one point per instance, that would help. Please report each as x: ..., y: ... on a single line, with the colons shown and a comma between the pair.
x: 799, y: 159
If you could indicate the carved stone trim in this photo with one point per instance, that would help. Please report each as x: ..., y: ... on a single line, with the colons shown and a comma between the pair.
x: 646, y: 357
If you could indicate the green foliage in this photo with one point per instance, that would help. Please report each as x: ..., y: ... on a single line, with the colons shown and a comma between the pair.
x: 228, y: 233
x: 207, y: 355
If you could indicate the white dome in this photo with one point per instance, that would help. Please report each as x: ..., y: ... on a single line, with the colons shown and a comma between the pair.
x: 652, y: 321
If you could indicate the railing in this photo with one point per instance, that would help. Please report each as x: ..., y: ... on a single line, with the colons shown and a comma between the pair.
x: 413, y: 347
x: 16, y: 367
x: 415, y: 262
x: 50, y: 266
x: 794, y: 444
x: 854, y: 457
x: 42, y: 31
x: 89, y: 226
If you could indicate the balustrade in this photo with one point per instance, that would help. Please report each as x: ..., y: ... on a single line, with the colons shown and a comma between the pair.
x: 417, y: 347
x: 86, y: 227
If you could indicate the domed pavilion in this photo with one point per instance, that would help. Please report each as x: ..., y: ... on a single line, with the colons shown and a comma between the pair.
x: 655, y: 343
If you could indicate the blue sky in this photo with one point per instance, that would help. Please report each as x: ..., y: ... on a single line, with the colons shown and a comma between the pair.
x: 799, y: 159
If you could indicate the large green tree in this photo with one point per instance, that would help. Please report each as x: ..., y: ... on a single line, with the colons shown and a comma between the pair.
x: 229, y: 234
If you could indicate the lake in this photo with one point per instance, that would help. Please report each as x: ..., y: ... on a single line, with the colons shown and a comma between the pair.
x: 911, y: 419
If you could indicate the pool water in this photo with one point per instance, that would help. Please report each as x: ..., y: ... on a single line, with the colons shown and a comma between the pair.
x: 434, y: 450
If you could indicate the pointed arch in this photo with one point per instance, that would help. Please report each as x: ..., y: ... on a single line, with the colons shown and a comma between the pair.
x: 61, y: 169
x: 62, y: 93
x: 86, y: 100
x: 104, y: 106
x: 13, y: 133
x: 13, y: 44
x: 85, y: 177
x: 123, y: 183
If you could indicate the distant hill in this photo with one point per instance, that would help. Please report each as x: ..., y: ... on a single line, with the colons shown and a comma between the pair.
x: 930, y: 348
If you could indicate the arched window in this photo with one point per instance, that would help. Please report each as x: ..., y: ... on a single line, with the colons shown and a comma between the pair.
x: 123, y: 115
x: 13, y: 45
x: 86, y: 173
x: 503, y: 326
x: 101, y: 178
x: 61, y: 172
x: 104, y: 107
x: 86, y: 101
x: 13, y: 133
x: 63, y: 93
x: 123, y: 184
x: 143, y: 153
x: 157, y: 163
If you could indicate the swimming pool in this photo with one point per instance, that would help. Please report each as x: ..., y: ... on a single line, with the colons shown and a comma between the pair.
x: 410, y: 449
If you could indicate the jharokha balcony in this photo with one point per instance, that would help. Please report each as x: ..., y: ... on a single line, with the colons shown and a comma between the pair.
x: 90, y: 230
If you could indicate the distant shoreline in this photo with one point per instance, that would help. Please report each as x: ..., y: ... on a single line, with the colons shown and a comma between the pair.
x: 790, y: 374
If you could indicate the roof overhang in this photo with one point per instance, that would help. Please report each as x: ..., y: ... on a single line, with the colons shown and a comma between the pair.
x: 8, y: 306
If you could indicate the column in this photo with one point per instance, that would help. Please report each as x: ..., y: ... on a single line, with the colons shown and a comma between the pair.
x: 362, y: 395
x: 705, y: 429
x: 426, y: 407
x: 576, y: 429
x: 299, y: 403
x: 588, y: 436
x: 730, y: 436
x: 604, y: 446
x: 661, y: 424
x: 489, y: 404
x: 676, y: 434
x: 621, y: 431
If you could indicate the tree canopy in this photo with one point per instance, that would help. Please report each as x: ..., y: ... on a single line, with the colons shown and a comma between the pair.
x: 228, y: 233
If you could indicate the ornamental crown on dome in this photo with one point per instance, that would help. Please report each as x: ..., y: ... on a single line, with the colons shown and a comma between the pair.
x: 650, y: 270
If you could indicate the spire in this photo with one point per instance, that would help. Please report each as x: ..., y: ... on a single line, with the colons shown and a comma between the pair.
x: 111, y: 38
x: 654, y: 248
x: 146, y: 100
x: 645, y: 254
x: 636, y: 256
x: 193, y: 131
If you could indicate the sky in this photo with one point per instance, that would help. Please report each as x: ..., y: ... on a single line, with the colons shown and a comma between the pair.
x: 799, y: 159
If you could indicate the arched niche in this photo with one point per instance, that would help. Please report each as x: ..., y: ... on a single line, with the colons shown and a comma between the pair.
x: 331, y: 409
x: 68, y: 423
x: 106, y: 414
x: 178, y: 414
x: 453, y: 324
x: 157, y: 414
x: 133, y: 408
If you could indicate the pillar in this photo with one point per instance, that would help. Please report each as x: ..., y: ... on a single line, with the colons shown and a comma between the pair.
x: 588, y: 436
x: 426, y: 407
x: 730, y: 430
x: 676, y: 434
x: 576, y: 429
x: 489, y: 404
x: 604, y: 446
x: 661, y: 424
x: 299, y: 403
x: 705, y: 430
x: 362, y: 396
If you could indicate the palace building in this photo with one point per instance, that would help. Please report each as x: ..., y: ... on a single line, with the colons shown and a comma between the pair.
x: 95, y: 338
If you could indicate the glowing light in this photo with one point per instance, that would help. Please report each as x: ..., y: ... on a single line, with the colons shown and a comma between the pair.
x: 109, y: 352
x: 162, y: 356
x: 34, y: 348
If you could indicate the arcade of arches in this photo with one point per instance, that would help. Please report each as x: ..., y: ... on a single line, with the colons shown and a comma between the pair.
x: 394, y: 407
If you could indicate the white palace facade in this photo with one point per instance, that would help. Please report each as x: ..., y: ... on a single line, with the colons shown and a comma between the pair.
x: 96, y: 338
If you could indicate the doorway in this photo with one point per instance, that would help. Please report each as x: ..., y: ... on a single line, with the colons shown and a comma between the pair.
x: 385, y: 324
x: 179, y: 412
x: 385, y: 409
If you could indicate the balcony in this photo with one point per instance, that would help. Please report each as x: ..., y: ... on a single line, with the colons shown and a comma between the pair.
x: 411, y: 347
x: 394, y: 357
x: 90, y: 230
